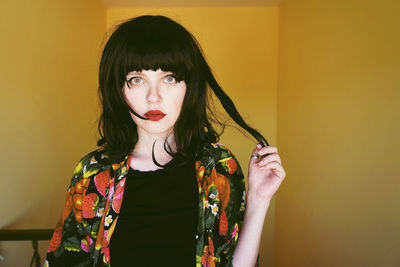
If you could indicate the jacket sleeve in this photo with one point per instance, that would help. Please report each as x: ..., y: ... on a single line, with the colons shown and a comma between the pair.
x: 65, y: 245
x: 232, y: 207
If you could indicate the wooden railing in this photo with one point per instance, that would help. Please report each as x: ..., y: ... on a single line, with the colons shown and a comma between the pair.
x: 28, y: 235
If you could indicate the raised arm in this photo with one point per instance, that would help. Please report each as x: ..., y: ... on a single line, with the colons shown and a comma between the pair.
x: 264, y: 178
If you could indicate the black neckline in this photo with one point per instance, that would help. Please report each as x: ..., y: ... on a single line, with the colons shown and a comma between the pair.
x: 166, y: 168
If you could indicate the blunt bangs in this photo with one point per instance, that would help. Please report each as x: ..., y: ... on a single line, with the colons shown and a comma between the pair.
x: 154, y: 44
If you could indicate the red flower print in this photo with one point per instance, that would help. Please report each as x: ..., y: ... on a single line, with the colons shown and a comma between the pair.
x: 89, y: 203
x: 101, y: 181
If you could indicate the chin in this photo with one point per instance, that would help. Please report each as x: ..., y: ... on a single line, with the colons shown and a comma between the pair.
x: 157, y: 130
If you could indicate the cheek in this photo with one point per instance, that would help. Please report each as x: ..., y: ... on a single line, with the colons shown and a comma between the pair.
x: 179, y: 102
x: 132, y: 100
x: 180, y: 98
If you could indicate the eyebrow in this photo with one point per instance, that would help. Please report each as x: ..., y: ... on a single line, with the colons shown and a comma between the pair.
x: 134, y: 73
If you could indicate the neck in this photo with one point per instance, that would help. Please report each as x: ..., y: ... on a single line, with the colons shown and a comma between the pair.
x: 144, y: 146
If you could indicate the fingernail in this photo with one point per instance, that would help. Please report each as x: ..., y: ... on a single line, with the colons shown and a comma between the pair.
x: 258, y: 145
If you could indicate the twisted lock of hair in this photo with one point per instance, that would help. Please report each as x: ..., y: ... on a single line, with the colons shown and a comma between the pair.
x: 228, y: 104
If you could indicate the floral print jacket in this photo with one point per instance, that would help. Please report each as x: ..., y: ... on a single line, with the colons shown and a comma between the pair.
x: 94, y: 198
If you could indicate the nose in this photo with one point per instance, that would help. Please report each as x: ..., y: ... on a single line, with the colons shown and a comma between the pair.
x: 153, y: 95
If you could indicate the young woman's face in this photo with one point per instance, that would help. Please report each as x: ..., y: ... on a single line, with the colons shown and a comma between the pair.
x: 155, y: 95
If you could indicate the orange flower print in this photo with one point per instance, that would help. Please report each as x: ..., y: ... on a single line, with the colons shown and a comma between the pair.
x: 67, y: 208
x: 55, y: 240
x: 116, y: 166
x: 222, y: 184
x: 200, y: 171
x: 210, y: 246
x: 223, y: 224
x: 231, y: 165
x: 79, y: 187
x: 85, y: 182
x: 78, y: 216
x: 71, y: 190
x: 210, y: 259
x: 204, y: 258
x: 77, y: 200
x: 211, y: 262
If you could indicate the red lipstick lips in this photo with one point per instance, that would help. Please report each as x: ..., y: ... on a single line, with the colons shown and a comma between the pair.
x: 154, y: 115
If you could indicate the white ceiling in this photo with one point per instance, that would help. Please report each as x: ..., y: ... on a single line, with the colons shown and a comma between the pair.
x: 187, y: 3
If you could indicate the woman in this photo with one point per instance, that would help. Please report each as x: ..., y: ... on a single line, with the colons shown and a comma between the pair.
x: 183, y: 194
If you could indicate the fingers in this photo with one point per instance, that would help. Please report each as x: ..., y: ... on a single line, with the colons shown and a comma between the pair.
x: 272, y: 165
x: 266, y: 155
x: 264, y: 152
x: 276, y: 168
x: 270, y: 158
x: 267, y: 150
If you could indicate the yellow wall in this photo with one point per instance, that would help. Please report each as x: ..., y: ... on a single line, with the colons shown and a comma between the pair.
x: 48, y: 77
x: 241, y: 47
x: 332, y: 111
x: 338, y: 133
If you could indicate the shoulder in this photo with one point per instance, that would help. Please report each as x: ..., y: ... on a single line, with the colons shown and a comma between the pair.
x: 219, y: 157
x: 89, y: 165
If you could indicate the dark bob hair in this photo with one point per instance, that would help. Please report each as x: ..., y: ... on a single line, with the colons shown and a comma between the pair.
x: 152, y: 43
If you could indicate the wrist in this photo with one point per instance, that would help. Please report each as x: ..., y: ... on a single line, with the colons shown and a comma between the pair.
x: 256, y: 204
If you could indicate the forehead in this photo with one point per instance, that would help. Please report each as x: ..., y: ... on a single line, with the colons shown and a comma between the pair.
x: 149, y: 72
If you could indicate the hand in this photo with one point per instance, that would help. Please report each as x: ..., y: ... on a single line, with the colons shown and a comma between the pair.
x: 265, y: 173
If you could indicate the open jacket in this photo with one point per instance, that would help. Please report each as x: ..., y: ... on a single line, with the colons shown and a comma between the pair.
x: 93, y: 201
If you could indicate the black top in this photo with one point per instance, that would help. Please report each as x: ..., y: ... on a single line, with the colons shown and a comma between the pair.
x: 158, y: 218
